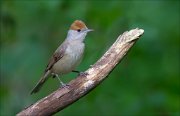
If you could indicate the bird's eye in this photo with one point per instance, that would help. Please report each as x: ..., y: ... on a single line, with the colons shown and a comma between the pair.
x: 78, y: 30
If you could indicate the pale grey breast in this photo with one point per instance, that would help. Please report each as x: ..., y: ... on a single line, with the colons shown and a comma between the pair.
x: 72, y: 57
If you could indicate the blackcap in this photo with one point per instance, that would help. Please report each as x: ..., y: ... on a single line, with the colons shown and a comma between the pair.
x: 67, y: 56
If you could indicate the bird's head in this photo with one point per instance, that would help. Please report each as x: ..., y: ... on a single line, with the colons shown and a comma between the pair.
x: 78, y: 30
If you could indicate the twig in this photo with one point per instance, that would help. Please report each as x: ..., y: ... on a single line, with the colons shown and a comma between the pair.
x: 82, y: 85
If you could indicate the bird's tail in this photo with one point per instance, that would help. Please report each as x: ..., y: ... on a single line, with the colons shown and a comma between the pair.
x: 40, y: 82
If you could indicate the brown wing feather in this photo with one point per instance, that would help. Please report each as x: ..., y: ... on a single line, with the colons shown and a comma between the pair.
x: 58, y: 54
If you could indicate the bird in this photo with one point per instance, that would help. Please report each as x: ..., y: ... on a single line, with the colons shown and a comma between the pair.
x: 67, y: 56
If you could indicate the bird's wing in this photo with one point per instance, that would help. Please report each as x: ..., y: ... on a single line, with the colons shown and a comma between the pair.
x: 58, y: 54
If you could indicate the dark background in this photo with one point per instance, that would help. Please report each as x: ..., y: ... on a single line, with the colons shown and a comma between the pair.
x: 146, y: 82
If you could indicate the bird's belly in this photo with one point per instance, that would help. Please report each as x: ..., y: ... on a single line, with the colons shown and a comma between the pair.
x: 67, y: 63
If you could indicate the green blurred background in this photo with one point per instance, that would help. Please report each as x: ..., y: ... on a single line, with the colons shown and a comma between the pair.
x: 146, y: 82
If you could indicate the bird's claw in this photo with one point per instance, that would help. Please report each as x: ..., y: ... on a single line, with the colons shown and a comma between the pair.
x: 65, y: 86
x: 83, y: 74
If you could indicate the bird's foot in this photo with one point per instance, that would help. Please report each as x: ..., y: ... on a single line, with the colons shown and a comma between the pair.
x: 63, y: 85
x: 82, y: 74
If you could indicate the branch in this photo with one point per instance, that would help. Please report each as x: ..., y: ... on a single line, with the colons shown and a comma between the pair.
x: 82, y: 85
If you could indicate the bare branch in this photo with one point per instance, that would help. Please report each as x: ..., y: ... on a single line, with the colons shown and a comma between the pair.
x: 82, y: 85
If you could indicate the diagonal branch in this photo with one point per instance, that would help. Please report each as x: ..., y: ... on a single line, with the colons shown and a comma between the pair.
x: 82, y: 85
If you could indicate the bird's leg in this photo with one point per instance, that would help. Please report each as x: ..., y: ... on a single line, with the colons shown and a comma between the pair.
x: 62, y: 84
x: 80, y: 73
x: 76, y: 71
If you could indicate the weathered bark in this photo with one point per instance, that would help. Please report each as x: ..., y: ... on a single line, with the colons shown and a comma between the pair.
x: 82, y: 85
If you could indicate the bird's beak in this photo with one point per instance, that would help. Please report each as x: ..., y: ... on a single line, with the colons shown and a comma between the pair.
x: 88, y: 30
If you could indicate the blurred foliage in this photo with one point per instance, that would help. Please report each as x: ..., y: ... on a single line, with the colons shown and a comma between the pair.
x: 146, y: 82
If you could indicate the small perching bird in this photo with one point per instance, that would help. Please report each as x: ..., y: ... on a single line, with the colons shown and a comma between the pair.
x: 67, y: 56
